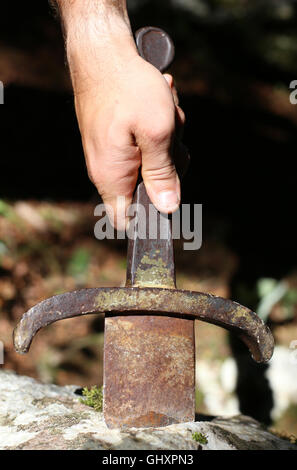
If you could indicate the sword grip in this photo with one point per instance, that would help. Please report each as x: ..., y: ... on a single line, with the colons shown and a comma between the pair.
x: 156, y: 47
x: 151, y: 261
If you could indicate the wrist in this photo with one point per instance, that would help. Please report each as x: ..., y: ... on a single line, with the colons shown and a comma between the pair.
x: 95, y: 47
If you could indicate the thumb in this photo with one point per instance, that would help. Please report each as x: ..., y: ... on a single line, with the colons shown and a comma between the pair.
x: 158, y: 169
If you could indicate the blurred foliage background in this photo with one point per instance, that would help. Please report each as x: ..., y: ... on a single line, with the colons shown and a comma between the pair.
x: 235, y: 60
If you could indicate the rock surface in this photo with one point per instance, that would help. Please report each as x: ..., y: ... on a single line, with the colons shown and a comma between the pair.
x: 40, y: 416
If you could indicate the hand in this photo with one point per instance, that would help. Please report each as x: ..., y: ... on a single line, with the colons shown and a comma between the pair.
x: 128, y: 116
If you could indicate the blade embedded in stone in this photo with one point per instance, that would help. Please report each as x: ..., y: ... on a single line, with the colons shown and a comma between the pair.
x: 149, y: 361
x: 149, y: 344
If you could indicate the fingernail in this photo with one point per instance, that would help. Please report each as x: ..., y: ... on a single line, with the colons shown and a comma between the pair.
x: 168, y: 201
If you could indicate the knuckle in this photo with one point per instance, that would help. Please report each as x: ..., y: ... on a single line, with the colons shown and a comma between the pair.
x: 161, y: 132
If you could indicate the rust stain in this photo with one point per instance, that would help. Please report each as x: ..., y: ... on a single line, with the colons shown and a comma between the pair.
x: 157, y: 384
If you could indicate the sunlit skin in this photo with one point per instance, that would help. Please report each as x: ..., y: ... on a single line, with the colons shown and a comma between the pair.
x: 127, y: 110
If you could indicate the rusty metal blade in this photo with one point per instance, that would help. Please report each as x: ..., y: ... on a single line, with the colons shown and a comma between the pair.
x: 149, y: 371
x: 149, y: 361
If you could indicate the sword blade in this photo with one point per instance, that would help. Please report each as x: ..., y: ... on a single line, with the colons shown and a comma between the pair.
x: 149, y: 361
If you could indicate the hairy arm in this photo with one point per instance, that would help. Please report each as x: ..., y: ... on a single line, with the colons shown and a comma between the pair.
x: 126, y: 109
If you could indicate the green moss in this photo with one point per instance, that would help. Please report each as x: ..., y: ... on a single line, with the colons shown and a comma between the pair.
x: 199, y: 437
x: 94, y: 397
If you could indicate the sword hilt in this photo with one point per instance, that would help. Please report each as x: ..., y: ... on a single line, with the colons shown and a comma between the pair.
x: 155, y: 297
x: 150, y: 247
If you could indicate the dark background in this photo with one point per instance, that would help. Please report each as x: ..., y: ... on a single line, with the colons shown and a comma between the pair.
x: 243, y: 153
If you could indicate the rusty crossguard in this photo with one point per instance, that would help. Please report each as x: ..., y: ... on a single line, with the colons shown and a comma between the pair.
x: 149, y: 343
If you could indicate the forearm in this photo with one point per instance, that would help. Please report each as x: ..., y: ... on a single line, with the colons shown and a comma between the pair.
x: 104, y: 15
x: 95, y: 31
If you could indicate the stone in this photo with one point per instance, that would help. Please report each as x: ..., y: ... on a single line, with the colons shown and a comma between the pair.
x: 42, y: 416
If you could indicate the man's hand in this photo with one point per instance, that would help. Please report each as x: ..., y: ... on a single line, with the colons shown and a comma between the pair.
x: 126, y: 109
